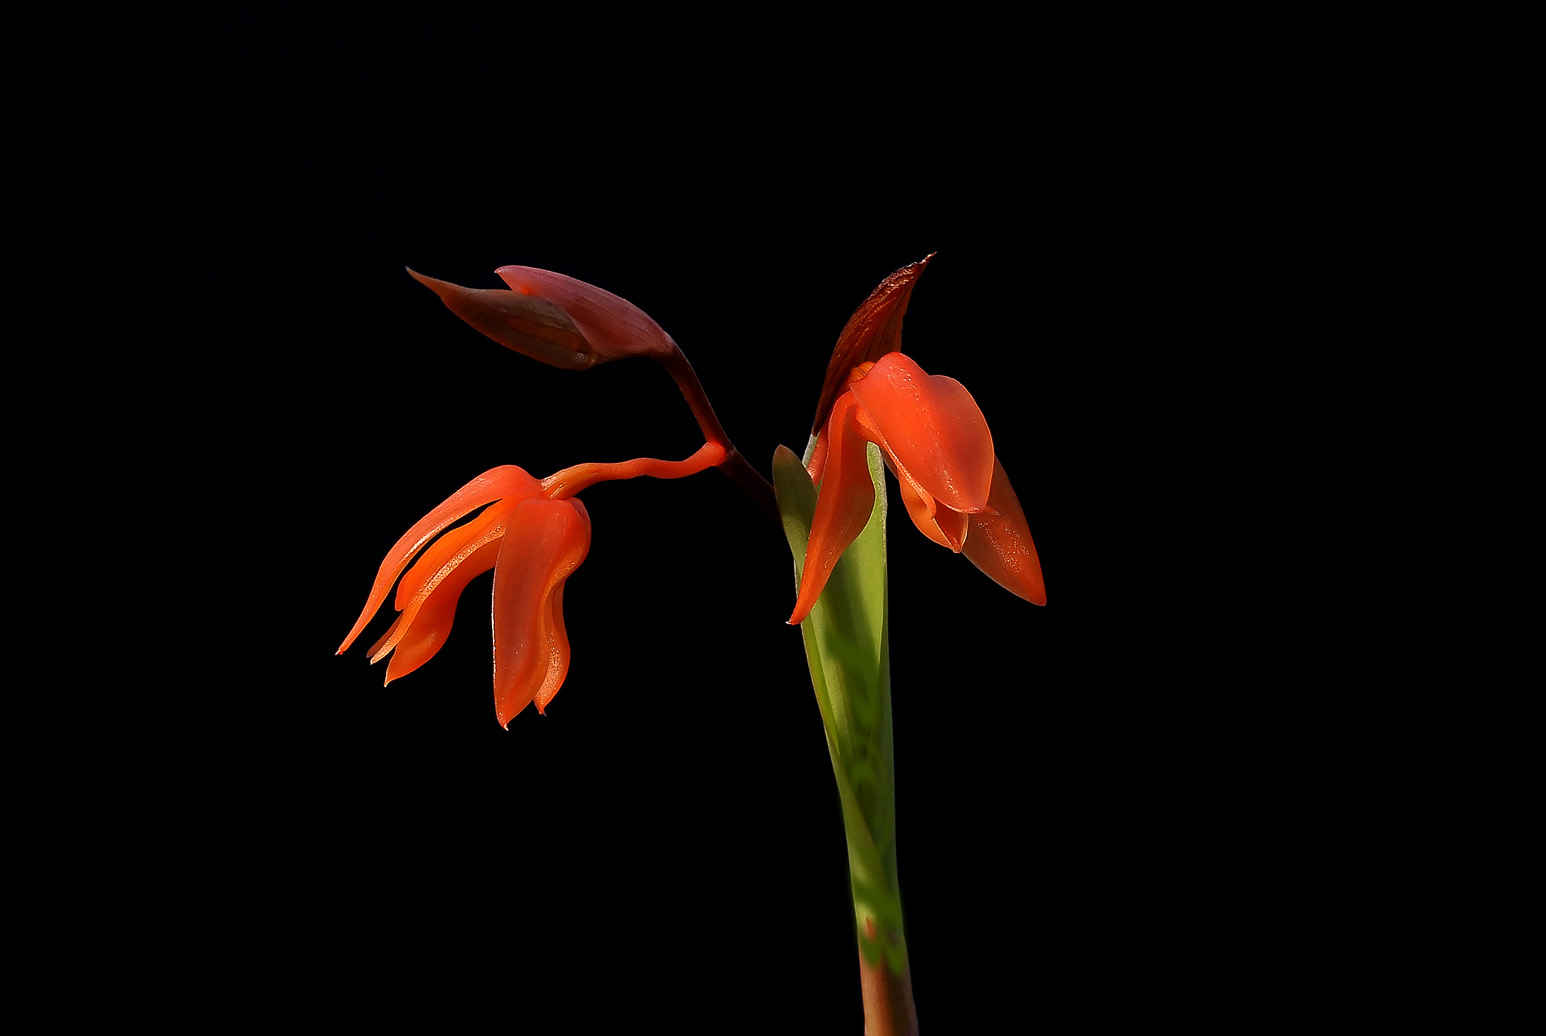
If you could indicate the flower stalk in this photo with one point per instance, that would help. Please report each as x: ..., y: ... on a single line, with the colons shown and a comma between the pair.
x: 848, y: 652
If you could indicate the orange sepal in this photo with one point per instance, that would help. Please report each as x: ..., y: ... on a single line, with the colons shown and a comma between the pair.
x: 1000, y: 542
x: 545, y: 542
x: 843, y: 505
x: 874, y: 330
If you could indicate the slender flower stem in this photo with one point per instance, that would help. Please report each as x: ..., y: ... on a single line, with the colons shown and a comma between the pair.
x: 736, y: 466
x: 561, y: 485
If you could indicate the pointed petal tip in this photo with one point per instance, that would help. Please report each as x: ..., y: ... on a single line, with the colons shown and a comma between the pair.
x: 1000, y: 543
x: 432, y: 283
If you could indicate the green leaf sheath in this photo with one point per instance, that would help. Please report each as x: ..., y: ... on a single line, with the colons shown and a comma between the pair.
x: 847, y: 649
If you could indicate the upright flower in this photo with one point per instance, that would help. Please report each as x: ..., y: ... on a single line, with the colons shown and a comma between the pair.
x: 937, y: 443
x: 533, y: 535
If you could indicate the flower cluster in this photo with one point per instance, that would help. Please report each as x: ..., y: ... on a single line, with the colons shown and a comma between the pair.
x: 534, y: 534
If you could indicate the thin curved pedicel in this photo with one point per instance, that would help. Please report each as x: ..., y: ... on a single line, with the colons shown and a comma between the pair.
x: 566, y: 483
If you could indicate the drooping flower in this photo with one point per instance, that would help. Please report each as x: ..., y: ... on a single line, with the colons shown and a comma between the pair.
x: 533, y: 534
x: 937, y: 443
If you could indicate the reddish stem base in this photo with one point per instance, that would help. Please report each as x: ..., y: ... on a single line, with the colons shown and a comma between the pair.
x: 888, y: 1001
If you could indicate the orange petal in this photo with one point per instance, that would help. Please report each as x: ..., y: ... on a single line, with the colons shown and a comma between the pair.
x: 463, y: 548
x: 1000, y: 544
x: 942, y: 525
x: 430, y: 623
x: 544, y: 543
x: 931, y: 428
x: 843, y: 506
x: 613, y: 326
x: 530, y: 325
x: 499, y: 483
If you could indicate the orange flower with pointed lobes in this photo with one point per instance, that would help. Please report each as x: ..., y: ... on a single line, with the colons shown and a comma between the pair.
x: 533, y: 534
x: 936, y: 441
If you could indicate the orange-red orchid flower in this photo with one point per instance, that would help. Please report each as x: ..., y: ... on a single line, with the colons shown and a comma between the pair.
x: 533, y: 535
x: 937, y: 443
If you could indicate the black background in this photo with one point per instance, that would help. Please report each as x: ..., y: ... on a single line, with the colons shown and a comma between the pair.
x: 665, y: 843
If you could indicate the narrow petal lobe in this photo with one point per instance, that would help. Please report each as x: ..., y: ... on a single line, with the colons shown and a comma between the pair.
x: 843, y: 506
x: 496, y: 484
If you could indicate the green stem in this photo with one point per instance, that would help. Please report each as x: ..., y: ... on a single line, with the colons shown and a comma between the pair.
x: 847, y: 648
